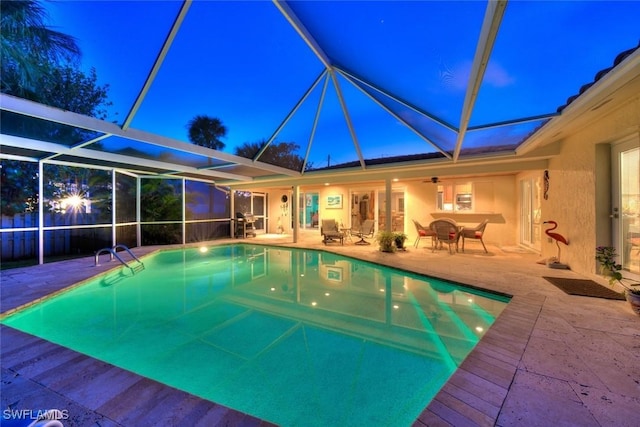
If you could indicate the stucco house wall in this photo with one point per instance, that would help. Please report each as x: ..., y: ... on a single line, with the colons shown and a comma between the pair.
x: 420, y: 204
x: 499, y: 205
x: 578, y: 198
x: 574, y: 201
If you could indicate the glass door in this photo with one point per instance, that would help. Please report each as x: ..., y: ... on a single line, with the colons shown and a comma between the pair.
x: 626, y: 206
x: 308, y: 210
x: 259, y: 208
x: 253, y: 203
x: 530, y: 201
x: 363, y: 207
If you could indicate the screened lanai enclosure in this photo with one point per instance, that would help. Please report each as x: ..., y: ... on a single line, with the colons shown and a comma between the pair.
x: 86, y: 209
x: 140, y: 122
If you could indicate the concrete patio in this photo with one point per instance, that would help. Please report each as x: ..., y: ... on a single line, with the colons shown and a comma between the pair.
x: 549, y: 359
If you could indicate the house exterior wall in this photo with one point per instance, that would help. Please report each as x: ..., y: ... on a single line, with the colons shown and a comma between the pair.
x: 576, y: 200
x: 279, y: 213
x: 579, y: 195
x: 501, y: 209
x: 536, y: 178
x: 420, y: 204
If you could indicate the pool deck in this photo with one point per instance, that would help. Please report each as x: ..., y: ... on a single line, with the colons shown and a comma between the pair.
x: 549, y: 359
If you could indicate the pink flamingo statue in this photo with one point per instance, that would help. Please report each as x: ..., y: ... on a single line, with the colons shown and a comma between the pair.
x: 555, y: 236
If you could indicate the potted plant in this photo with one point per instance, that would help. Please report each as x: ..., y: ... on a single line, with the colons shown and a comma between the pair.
x: 606, y: 256
x: 385, y: 240
x: 399, y: 239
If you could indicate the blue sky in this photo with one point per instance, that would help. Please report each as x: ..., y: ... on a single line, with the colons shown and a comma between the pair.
x: 243, y: 63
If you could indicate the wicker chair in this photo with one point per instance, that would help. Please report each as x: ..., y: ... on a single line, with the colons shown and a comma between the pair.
x: 447, y: 231
x: 476, y: 233
x: 423, y: 232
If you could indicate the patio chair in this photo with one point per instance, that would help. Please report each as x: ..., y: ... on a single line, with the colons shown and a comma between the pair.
x: 330, y: 232
x: 366, y: 230
x: 476, y: 233
x: 447, y: 231
x: 423, y: 232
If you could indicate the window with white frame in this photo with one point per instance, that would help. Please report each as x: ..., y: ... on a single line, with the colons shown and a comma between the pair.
x: 456, y: 197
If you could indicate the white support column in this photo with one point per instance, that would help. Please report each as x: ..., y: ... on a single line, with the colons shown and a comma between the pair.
x: 40, y: 212
x: 113, y: 207
x: 184, y: 211
x: 387, y: 202
x: 232, y: 213
x: 294, y: 212
x: 138, y: 212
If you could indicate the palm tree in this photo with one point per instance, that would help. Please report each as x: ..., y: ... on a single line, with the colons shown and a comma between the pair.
x: 206, y: 131
x: 29, y: 47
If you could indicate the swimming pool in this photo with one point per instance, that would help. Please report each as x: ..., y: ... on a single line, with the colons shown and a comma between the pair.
x: 288, y: 335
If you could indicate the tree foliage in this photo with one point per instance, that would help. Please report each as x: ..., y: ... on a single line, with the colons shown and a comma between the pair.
x: 277, y: 153
x: 69, y: 89
x: 18, y: 187
x: 41, y: 64
x: 206, y: 131
x: 91, y: 186
x: 29, y: 47
x: 161, y: 200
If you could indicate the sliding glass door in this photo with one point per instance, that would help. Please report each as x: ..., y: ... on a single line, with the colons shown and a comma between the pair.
x: 308, y: 210
x: 530, y: 208
x: 626, y: 206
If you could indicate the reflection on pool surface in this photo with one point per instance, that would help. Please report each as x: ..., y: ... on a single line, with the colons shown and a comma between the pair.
x: 296, y: 337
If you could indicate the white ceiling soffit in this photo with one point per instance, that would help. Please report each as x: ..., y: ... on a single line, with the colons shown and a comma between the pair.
x: 378, y: 174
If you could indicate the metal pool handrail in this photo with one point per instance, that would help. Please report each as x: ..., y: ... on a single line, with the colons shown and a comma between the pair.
x: 114, y: 254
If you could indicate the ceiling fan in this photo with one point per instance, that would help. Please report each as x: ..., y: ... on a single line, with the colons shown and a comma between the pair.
x: 433, y: 180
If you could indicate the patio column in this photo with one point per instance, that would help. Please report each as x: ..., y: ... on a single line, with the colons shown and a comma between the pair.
x: 232, y: 220
x: 40, y: 212
x: 138, y: 211
x: 113, y: 208
x: 294, y: 212
x: 387, y: 205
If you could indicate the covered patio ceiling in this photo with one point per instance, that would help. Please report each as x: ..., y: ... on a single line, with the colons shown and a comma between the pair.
x: 351, y: 87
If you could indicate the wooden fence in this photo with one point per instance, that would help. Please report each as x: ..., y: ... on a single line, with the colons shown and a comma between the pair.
x: 62, y: 242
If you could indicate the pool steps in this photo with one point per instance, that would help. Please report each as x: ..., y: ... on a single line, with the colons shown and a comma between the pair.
x: 137, y: 264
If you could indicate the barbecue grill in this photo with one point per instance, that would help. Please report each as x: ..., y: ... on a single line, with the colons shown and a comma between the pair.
x: 245, y: 225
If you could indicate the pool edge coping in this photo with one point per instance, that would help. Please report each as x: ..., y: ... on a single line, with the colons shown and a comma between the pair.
x: 494, y: 350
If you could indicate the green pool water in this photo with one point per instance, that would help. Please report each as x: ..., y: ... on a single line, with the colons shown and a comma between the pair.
x: 295, y: 337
